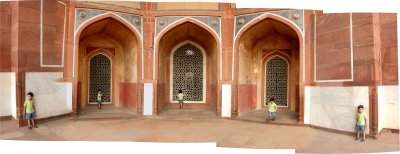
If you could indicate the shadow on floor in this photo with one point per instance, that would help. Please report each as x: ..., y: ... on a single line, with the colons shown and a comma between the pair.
x: 186, y: 113
x: 282, y: 116
x: 107, y: 112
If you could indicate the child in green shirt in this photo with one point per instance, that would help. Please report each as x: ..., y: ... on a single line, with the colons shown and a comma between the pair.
x: 272, y: 108
x: 99, y: 97
x: 361, y: 124
x: 180, y: 96
x: 29, y: 110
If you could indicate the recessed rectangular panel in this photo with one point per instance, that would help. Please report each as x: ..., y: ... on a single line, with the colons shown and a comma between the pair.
x: 52, y: 32
x: 333, y: 47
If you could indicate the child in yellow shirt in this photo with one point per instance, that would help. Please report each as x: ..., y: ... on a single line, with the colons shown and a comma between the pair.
x: 361, y: 124
x: 272, y: 108
x: 29, y: 110
x: 180, y: 96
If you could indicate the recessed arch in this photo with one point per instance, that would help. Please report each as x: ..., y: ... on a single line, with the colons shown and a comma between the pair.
x: 95, y: 19
x: 257, y: 20
x: 177, y: 23
x: 263, y: 38
x: 204, y: 68
x: 123, y: 44
x: 180, y: 33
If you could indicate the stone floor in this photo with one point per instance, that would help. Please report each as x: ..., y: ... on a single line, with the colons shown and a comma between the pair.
x: 186, y: 113
x: 225, y: 132
x: 282, y: 116
x: 106, y: 112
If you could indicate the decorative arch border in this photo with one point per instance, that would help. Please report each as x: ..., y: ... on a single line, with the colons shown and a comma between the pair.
x: 93, y: 16
x: 111, y: 57
x: 214, y: 23
x: 172, y: 67
x: 83, y: 15
x: 179, y: 21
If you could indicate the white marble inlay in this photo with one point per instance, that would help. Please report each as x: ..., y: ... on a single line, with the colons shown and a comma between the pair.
x: 388, y: 107
x: 336, y: 107
x: 148, y: 99
x: 226, y: 100
x: 13, y: 96
x: 307, y: 107
x: 52, y: 98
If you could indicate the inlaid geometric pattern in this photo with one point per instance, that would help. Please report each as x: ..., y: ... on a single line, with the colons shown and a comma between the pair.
x: 296, y: 16
x: 84, y: 14
x: 100, y: 78
x: 276, y: 80
x: 213, y: 22
x: 188, y: 73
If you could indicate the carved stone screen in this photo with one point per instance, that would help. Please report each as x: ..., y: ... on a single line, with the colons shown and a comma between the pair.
x: 276, y: 80
x: 188, y: 73
x: 100, y: 78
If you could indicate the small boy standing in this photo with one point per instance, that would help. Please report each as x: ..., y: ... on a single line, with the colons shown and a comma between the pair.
x: 362, y: 123
x: 99, y: 97
x: 272, y: 108
x: 29, y: 110
x: 180, y: 98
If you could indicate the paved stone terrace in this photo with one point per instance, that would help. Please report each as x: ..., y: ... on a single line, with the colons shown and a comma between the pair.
x: 227, y: 133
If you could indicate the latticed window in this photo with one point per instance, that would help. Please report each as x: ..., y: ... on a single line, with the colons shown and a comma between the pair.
x: 188, y: 73
x: 276, y: 80
x: 100, y: 78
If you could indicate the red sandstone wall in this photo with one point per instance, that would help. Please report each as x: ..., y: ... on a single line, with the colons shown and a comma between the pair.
x: 128, y: 95
x: 5, y: 36
x: 389, y: 48
x: 363, y: 48
x: 26, y: 36
x: 247, y: 97
x: 333, y: 47
x: 53, y: 30
x: 368, y: 34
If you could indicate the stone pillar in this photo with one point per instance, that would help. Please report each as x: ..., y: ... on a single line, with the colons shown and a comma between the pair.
x: 69, y: 42
x: 377, y: 75
x: 148, y: 60
x: 227, y: 22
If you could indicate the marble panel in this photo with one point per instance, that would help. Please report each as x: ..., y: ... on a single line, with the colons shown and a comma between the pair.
x: 52, y: 98
x: 336, y: 107
x: 388, y: 107
x: 6, y: 93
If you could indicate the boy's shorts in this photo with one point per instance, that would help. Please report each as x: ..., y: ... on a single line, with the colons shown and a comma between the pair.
x: 272, y: 114
x: 360, y: 128
x: 180, y: 101
x: 30, y: 115
x: 99, y: 101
